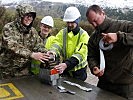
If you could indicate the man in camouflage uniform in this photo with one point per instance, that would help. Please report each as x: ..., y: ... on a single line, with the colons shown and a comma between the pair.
x: 18, y: 40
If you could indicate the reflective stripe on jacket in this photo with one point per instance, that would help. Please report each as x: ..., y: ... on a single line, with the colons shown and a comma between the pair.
x: 70, y: 45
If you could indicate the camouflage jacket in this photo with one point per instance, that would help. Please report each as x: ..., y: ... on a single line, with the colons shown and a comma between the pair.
x: 18, y: 42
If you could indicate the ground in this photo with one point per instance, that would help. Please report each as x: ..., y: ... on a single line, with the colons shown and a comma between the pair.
x: 91, y: 79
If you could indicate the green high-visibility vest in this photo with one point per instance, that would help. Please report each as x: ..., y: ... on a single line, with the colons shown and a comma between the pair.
x: 35, y: 65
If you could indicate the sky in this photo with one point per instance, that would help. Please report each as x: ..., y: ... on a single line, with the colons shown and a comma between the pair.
x: 114, y: 3
x: 5, y: 1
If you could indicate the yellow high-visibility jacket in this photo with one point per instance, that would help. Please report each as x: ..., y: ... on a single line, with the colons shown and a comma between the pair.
x: 69, y: 45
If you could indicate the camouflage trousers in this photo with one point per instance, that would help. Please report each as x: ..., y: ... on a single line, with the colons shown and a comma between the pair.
x: 7, y: 73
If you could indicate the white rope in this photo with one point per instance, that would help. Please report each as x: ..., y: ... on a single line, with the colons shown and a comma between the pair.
x: 79, y: 86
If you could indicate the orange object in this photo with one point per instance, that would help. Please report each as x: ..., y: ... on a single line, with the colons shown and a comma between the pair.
x: 53, y: 71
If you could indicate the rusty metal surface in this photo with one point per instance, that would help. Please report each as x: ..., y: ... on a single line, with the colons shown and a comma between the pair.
x: 33, y: 89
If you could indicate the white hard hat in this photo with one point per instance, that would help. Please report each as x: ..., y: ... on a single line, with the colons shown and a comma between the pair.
x: 71, y: 14
x: 48, y: 20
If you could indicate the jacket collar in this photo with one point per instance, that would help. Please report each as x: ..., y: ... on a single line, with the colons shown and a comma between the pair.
x: 75, y: 31
x: 39, y: 33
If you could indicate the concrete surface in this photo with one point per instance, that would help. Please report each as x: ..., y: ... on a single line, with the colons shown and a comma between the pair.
x: 30, y: 88
x: 91, y: 79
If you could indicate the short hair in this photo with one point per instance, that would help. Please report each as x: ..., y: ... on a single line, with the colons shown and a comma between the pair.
x: 94, y: 8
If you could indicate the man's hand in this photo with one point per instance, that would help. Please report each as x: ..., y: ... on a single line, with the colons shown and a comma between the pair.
x: 97, y: 71
x: 110, y: 38
x: 40, y: 56
x: 61, y: 67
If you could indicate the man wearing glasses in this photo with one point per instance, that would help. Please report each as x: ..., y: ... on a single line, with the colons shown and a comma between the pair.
x: 46, y: 25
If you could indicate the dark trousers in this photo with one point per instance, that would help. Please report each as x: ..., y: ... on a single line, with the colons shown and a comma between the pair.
x: 79, y: 74
x: 124, y: 90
